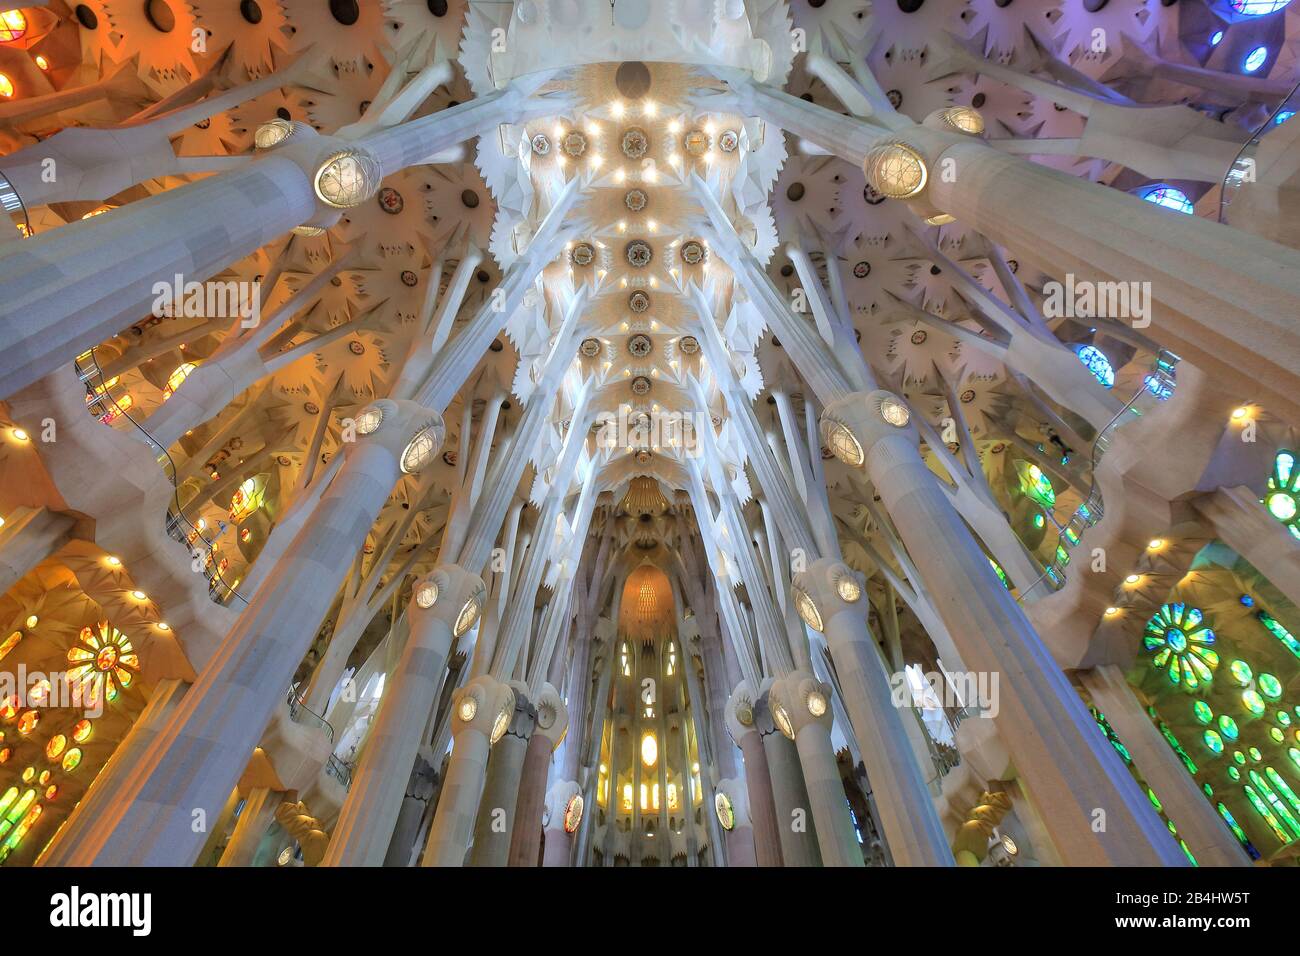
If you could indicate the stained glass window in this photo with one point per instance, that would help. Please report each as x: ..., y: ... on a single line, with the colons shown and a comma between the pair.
x: 1036, y: 485
x: 1283, y: 492
x: 1182, y: 644
x: 1257, y: 8
x: 103, y: 663
x: 1170, y: 198
x: 1202, y: 712
x: 1270, y: 686
x: 1255, y: 59
x: 1095, y: 361
x: 174, y: 380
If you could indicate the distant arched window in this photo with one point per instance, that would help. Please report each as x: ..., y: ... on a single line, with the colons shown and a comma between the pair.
x: 1255, y: 59
x: 1095, y: 361
x: 1169, y: 197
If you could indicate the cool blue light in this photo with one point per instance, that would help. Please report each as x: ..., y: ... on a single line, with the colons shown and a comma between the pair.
x: 1095, y: 361
x: 1257, y: 8
x: 1161, y: 390
x: 1169, y: 197
x: 1215, y: 37
x: 1283, y: 116
x: 1255, y: 59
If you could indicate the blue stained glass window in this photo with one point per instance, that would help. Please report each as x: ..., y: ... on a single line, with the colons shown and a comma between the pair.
x: 1097, y: 363
x: 1215, y: 37
x: 1169, y: 197
x: 1283, y: 116
x: 1255, y: 59
x: 1257, y: 8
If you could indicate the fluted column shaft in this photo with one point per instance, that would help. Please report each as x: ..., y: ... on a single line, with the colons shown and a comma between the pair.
x: 790, y: 798
x: 73, y: 287
x: 912, y: 828
x: 365, y: 825
x: 1065, y: 764
x: 526, y: 835
x: 196, y: 760
x: 762, y: 807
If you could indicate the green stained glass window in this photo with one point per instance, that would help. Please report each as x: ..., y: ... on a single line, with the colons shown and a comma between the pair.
x: 1241, y: 672
x: 1182, y: 645
x: 1276, y: 734
x: 1284, y: 718
x: 1227, y: 727
x: 1252, y: 702
x: 1281, y: 633
x: 1295, y: 757
x: 1234, y: 773
x: 1239, y: 757
x: 1266, y: 814
x: 1036, y: 485
x: 1039, y: 520
x: 1201, y: 710
x: 1255, y: 755
x: 1213, y: 741
x: 1270, y: 686
x: 1237, y: 831
x: 1282, y: 497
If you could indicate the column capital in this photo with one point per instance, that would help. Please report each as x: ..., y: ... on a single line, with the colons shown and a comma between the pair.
x: 523, y: 719
x: 552, y: 715
x: 564, y: 806
x: 851, y: 426
x: 827, y: 588
x: 798, y: 700
x: 411, y: 432
x: 741, y: 712
x: 484, y: 706
x: 450, y: 594
x: 730, y: 796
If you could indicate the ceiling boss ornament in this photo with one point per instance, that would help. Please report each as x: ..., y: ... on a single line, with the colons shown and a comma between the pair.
x: 635, y: 144
x: 639, y: 253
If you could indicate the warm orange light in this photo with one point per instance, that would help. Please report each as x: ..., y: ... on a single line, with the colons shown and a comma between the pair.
x: 41, y: 62
x: 6, y: 86
x: 13, y: 26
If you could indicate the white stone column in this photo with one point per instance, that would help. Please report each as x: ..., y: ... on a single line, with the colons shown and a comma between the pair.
x: 912, y: 828
x: 251, y: 826
x: 805, y: 703
x: 444, y: 604
x: 1065, y: 763
x: 72, y: 288
x: 200, y: 755
x: 481, y: 711
x: 796, y: 826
